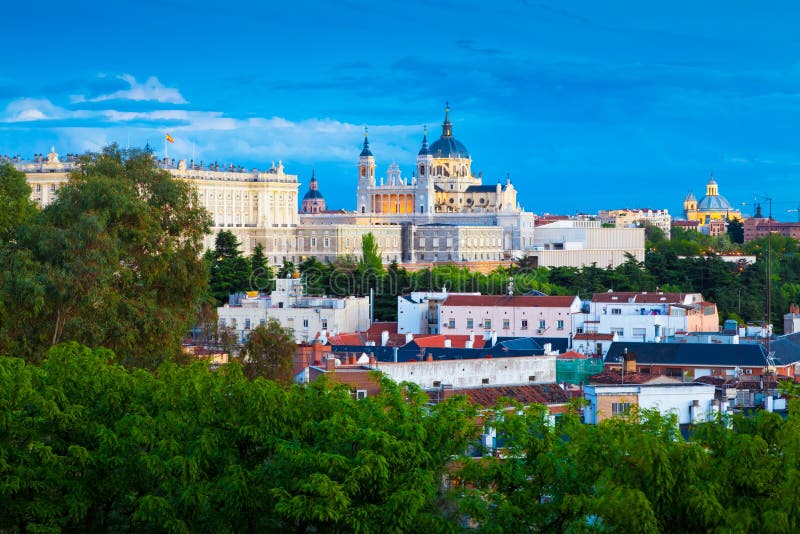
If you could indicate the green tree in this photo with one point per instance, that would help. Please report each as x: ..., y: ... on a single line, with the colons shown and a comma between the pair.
x: 261, y: 274
x: 16, y: 208
x: 118, y: 254
x: 230, y: 271
x: 370, y: 254
x: 269, y: 352
x: 736, y: 231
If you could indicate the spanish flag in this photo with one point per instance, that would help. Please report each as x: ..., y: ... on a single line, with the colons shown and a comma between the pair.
x: 170, y: 139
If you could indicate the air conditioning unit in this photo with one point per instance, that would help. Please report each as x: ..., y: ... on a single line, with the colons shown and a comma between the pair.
x: 540, y: 330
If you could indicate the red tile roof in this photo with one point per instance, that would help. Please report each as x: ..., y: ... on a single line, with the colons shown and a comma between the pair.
x: 521, y: 301
x: 528, y: 394
x: 594, y: 336
x: 347, y: 339
x: 456, y: 341
x: 571, y: 355
x: 379, y: 326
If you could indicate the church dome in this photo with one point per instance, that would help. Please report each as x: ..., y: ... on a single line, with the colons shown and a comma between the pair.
x: 714, y: 203
x: 448, y: 146
x: 312, y: 194
x: 313, y: 201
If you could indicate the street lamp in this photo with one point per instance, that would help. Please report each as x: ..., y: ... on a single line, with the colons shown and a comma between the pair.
x: 622, y: 359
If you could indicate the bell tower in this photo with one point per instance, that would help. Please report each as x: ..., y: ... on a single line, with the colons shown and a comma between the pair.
x: 366, y: 177
x: 425, y: 189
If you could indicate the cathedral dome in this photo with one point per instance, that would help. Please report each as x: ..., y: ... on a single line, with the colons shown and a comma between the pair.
x: 313, y: 201
x: 312, y: 194
x: 714, y: 203
x: 448, y: 146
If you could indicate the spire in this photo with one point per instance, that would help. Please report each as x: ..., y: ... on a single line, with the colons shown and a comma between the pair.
x: 366, y: 152
x: 447, y: 126
x: 312, y: 185
x: 424, y: 150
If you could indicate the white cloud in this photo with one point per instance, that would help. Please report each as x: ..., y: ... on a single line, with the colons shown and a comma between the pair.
x: 32, y: 109
x: 151, y: 90
x: 210, y: 135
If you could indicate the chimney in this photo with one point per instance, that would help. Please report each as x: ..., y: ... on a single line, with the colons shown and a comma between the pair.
x: 372, y: 360
x: 630, y: 361
x: 384, y: 338
x: 330, y: 363
x: 448, y: 344
x: 409, y: 337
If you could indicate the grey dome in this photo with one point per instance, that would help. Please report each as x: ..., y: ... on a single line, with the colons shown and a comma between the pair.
x: 714, y: 203
x: 312, y: 194
x: 448, y: 147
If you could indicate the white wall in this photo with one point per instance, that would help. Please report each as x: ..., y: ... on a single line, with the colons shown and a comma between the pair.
x: 469, y: 373
x: 353, y: 316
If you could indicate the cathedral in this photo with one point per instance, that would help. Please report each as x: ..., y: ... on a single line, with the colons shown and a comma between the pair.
x: 711, y: 207
x: 441, y: 183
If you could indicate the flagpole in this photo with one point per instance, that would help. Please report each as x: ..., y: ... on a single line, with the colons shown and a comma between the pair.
x: 166, y: 154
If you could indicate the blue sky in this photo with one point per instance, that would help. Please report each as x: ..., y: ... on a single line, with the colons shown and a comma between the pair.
x: 586, y: 105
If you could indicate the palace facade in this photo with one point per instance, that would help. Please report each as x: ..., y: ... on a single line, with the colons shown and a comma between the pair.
x: 441, y: 213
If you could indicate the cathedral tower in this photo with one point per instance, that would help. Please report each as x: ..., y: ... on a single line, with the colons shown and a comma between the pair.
x: 425, y: 189
x: 366, y: 176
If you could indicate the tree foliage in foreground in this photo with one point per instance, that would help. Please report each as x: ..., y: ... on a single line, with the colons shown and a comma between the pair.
x: 86, y: 444
x: 114, y: 261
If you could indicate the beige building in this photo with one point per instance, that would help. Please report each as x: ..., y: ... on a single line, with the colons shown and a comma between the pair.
x: 631, y: 218
x: 577, y: 243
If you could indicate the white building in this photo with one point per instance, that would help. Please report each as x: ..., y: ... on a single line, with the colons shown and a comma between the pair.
x: 418, y: 313
x: 306, y: 316
x: 454, y: 374
x: 647, y: 316
x: 692, y: 402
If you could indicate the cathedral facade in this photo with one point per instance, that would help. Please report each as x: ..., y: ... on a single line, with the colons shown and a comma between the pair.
x: 442, y: 182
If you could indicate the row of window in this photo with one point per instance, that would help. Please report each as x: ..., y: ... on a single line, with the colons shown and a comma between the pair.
x: 248, y: 324
x: 237, y: 196
x: 487, y: 324
x: 636, y: 332
x: 39, y: 188
x: 472, y: 242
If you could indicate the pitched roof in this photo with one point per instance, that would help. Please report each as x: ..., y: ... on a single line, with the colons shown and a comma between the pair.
x: 718, y: 381
x: 487, y: 396
x: 520, y: 301
x: 347, y: 339
x: 456, y: 341
x: 376, y: 330
x: 572, y: 355
x: 787, y: 348
x: 614, y: 376
x: 693, y: 354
